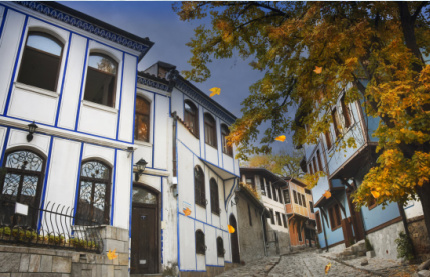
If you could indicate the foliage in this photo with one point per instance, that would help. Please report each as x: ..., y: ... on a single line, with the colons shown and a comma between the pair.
x: 249, y: 188
x: 281, y: 164
x: 404, y: 247
x: 369, y: 246
x: 368, y: 51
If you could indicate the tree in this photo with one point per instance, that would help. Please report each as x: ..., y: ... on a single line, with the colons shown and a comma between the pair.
x: 380, y: 42
x: 282, y: 163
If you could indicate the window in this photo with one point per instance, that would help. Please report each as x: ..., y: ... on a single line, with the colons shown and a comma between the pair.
x: 284, y: 217
x: 310, y: 168
x: 272, y: 218
x: 41, y: 60
x: 335, y: 217
x: 200, y: 242
x: 287, y: 196
x: 274, y: 193
x: 280, y: 195
x: 327, y: 139
x: 317, y: 216
x: 226, y: 149
x: 191, y: 117
x: 262, y: 186
x: 278, y: 218
x: 319, y: 161
x: 314, y: 164
x: 22, y: 182
x: 304, y: 200
x: 94, y: 193
x: 311, y: 206
x: 100, y: 86
x: 345, y: 112
x: 220, y: 247
x: 269, y: 191
x: 214, y: 197
x: 336, y: 123
x: 299, y: 196
x: 250, y: 181
x: 295, y: 197
x: 199, y: 183
x: 249, y: 215
x: 141, y: 118
x: 210, y: 130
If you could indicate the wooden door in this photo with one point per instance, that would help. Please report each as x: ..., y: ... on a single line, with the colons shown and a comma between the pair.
x: 356, y: 220
x: 144, y: 233
x: 234, y: 241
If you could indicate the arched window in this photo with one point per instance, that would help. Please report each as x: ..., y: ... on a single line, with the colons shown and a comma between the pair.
x: 199, y: 183
x: 210, y: 130
x: 220, y: 247
x: 192, y: 117
x: 94, y: 193
x: 214, y: 197
x: 41, y: 60
x: 200, y: 242
x: 100, y: 86
x: 22, y: 182
x: 141, y: 118
x: 226, y: 149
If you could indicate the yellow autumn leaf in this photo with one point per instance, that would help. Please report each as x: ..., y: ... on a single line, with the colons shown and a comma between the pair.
x: 111, y: 255
x: 327, y: 194
x: 327, y: 268
x: 187, y: 211
x: 231, y: 229
x: 215, y: 91
x: 375, y: 193
x: 280, y: 138
x: 318, y: 70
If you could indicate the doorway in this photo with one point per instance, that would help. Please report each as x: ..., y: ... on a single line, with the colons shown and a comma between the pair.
x: 234, y: 241
x: 144, y: 231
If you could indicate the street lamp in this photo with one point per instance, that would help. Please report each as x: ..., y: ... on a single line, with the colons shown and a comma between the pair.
x: 141, y: 165
x: 31, y: 129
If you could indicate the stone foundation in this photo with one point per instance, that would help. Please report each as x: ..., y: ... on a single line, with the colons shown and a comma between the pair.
x: 336, y: 249
x: 21, y: 261
x: 383, y: 240
x: 420, y: 240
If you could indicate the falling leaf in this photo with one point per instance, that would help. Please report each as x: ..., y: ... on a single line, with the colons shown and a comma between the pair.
x: 230, y: 229
x: 375, y: 193
x: 327, y: 194
x: 111, y: 255
x: 317, y: 69
x: 327, y: 268
x: 215, y: 90
x: 187, y: 211
x: 280, y: 138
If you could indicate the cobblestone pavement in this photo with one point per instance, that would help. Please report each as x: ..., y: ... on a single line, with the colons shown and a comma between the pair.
x: 310, y: 263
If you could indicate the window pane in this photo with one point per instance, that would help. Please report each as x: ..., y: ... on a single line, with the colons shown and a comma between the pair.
x: 100, y: 88
x: 102, y: 63
x: 11, y: 183
x: 96, y: 170
x: 24, y: 160
x: 142, y: 106
x: 143, y: 196
x: 44, y: 43
x: 142, y: 127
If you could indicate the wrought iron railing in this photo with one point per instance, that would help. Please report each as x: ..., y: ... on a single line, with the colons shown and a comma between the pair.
x: 52, y: 227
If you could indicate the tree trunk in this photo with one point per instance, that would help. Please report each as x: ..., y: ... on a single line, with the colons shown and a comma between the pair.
x: 424, y: 195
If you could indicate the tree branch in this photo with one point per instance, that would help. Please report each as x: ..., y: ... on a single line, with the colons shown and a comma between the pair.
x: 418, y: 10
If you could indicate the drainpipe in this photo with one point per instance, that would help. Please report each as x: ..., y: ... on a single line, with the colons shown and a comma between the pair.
x: 264, y: 237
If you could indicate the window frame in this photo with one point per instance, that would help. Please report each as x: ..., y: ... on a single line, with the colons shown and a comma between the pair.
x: 269, y: 189
x: 336, y: 122
x: 199, y: 188
x: 285, y: 218
x: 213, y: 187
x: 278, y: 218
x: 335, y: 216
x: 328, y: 139
x: 304, y: 200
x: 295, y: 197
x: 139, y: 113
x: 189, y: 117
x: 47, y: 35
x: 262, y: 186
x: 287, y: 193
x: 311, y: 207
x: 319, y: 161
x: 272, y: 217
x: 115, y: 82
x: 210, y: 131
x: 318, y: 220
x: 226, y: 149
x: 220, y: 247
x: 274, y: 193
x: 280, y: 195
x: 345, y: 113
x: 200, y: 242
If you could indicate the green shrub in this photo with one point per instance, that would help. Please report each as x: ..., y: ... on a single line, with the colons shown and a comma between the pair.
x: 369, y: 246
x: 404, y: 247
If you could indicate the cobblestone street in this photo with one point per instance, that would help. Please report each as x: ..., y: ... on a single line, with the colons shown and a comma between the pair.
x: 310, y: 263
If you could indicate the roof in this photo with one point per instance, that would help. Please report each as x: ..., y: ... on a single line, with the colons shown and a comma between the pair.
x: 90, y: 24
x: 262, y: 171
x: 296, y: 181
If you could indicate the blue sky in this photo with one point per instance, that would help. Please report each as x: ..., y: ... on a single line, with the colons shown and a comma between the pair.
x: 157, y: 21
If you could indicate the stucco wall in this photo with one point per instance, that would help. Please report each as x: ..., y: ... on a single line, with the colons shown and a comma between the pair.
x: 383, y: 241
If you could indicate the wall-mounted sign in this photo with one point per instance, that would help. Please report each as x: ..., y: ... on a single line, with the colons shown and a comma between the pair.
x: 21, y: 208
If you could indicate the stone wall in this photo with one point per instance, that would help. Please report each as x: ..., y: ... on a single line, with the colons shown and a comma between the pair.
x: 21, y: 261
x: 211, y: 271
x: 383, y: 240
x: 420, y: 240
x: 336, y: 249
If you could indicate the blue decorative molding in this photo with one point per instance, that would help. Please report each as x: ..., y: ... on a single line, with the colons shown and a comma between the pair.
x: 197, y: 96
x: 152, y: 83
x: 86, y: 26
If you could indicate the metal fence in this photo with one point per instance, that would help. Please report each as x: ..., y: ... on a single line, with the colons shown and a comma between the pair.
x: 51, y: 227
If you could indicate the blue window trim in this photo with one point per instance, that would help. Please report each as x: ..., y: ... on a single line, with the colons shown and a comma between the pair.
x: 6, y: 139
x: 113, y: 188
x: 131, y: 199
x: 77, y: 181
x: 60, y: 98
x: 120, y: 96
x: 45, y: 182
x: 134, y: 104
x: 153, y: 130
x: 15, y: 67
x: 205, y: 223
x: 195, y: 252
x: 6, y: 9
